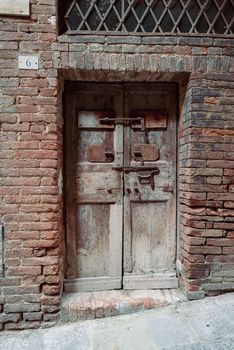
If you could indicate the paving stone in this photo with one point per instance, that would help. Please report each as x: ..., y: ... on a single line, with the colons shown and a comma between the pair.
x: 169, y: 329
x: 194, y: 346
x: 181, y: 326
x: 23, y: 341
x: 68, y: 338
x: 227, y: 309
x: 209, y: 326
x: 222, y: 344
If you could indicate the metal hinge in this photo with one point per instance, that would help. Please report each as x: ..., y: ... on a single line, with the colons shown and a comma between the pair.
x: 2, y: 231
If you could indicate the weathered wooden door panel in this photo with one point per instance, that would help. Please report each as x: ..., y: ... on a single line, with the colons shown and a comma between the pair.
x: 121, y: 186
x: 93, y: 240
x: 150, y: 196
x: 96, y: 262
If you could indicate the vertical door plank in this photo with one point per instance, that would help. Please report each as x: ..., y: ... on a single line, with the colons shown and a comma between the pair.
x: 150, y: 232
x: 115, y: 241
x: 127, y: 259
x: 97, y: 190
x: 70, y: 184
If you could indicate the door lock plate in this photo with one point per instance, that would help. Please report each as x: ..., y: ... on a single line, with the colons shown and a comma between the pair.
x: 145, y: 152
x: 148, y: 179
x: 98, y: 153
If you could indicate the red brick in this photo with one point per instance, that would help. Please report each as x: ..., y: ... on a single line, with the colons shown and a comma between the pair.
x: 33, y: 145
x: 224, y: 225
x: 203, y: 250
x: 44, y: 261
x: 52, y: 279
x: 50, y: 270
x: 197, y: 274
x: 221, y: 242
x: 193, y: 240
x: 50, y: 300
x: 220, y: 164
x: 24, y: 271
x: 46, y: 243
x: 9, y: 199
x: 15, y: 127
x: 38, y: 128
x: 27, y: 108
x: 38, y: 172
x: 230, y: 234
x: 228, y: 250
x: 194, y: 258
x: 225, y: 212
x: 51, y: 290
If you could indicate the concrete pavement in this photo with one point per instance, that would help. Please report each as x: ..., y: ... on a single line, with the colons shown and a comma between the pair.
x: 206, y: 324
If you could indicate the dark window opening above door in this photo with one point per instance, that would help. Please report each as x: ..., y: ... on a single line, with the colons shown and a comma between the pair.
x: 147, y: 16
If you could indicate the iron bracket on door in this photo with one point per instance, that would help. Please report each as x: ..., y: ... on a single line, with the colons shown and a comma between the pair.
x: 125, y: 121
x: 148, y: 179
x: 133, y: 169
x: 143, y: 179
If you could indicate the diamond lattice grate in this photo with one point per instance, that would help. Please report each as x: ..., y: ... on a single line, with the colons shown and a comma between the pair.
x: 151, y: 16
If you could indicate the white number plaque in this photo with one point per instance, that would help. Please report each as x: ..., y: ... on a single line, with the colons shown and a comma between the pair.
x: 28, y: 62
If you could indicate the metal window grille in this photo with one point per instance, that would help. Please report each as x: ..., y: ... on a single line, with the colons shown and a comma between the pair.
x: 151, y: 16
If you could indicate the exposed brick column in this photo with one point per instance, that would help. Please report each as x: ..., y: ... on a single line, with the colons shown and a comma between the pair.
x: 30, y: 169
x: 206, y: 185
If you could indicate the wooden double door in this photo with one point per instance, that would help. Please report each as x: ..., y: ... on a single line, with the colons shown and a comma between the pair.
x: 120, y: 186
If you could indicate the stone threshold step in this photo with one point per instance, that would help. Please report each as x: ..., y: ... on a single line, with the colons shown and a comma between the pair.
x: 91, y: 305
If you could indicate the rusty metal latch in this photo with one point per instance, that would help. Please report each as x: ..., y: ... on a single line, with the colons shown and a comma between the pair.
x: 98, y: 153
x: 148, y: 179
x: 145, y: 152
x: 133, y: 169
x: 125, y: 121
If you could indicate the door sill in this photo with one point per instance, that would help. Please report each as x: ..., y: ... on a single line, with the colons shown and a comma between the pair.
x: 150, y: 282
x: 91, y: 305
x: 90, y: 284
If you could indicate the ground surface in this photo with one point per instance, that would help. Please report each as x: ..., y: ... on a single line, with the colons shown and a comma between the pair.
x: 206, y: 324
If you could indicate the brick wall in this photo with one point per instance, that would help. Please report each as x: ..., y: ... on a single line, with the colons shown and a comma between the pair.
x: 31, y: 153
x: 30, y: 166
